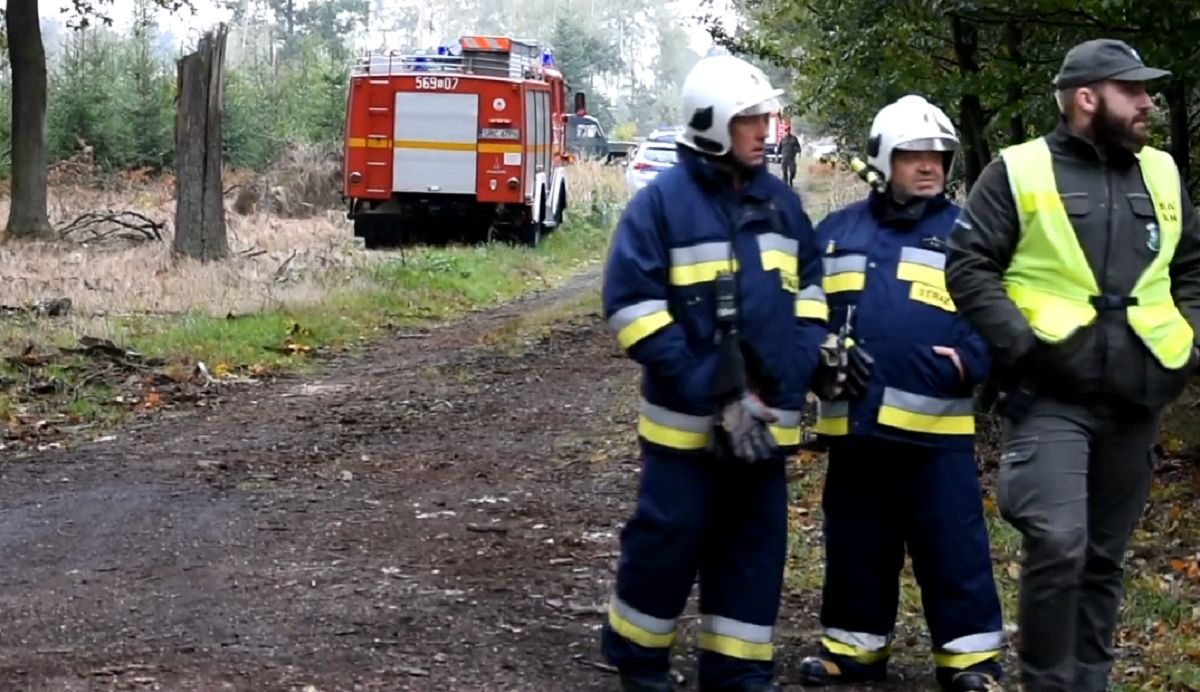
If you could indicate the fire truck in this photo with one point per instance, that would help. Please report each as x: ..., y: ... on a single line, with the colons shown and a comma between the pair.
x: 466, y: 140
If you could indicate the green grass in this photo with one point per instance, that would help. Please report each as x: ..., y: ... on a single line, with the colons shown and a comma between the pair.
x: 409, y: 290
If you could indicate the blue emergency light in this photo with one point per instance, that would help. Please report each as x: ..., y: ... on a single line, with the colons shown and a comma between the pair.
x: 547, y: 58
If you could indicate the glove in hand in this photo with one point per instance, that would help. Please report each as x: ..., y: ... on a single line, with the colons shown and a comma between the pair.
x: 842, y: 373
x: 746, y: 421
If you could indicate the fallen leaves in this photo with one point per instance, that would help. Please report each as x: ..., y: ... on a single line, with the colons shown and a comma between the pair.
x: 1188, y: 568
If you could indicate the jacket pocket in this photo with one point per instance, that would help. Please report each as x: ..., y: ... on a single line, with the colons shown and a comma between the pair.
x: 1146, y: 237
x: 937, y: 371
x: 1016, y: 485
x: 694, y: 307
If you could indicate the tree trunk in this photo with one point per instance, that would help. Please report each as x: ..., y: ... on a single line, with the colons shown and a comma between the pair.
x: 199, y: 205
x: 27, y: 215
x: 972, y: 118
x: 1179, y: 111
x: 1016, y: 90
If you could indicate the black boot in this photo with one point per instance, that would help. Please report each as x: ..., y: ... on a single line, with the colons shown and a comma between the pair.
x: 646, y: 683
x: 981, y: 677
x: 831, y: 669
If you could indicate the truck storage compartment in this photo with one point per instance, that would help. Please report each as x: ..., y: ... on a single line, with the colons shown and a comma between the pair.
x: 435, y: 147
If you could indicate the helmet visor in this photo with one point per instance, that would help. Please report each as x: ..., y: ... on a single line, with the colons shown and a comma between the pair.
x: 928, y: 144
x: 770, y: 105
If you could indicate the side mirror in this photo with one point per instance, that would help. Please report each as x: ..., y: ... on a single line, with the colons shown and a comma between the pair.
x: 580, y: 103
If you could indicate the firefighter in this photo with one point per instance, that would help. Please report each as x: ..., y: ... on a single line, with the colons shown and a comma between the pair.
x: 1077, y: 258
x: 901, y: 466
x: 789, y: 149
x: 712, y: 285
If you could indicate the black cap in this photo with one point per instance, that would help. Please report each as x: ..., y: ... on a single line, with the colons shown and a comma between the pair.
x: 1100, y: 59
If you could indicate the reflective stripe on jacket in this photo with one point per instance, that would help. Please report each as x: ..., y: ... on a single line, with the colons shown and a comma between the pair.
x: 893, y: 274
x: 673, y: 238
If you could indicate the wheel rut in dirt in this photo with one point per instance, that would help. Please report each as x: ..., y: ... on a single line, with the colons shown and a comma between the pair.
x: 424, y: 516
x: 439, y: 513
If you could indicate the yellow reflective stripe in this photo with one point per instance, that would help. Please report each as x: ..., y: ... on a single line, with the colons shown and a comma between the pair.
x: 786, y: 430
x: 786, y: 436
x: 635, y: 322
x: 778, y: 259
x: 926, y: 423
x: 498, y: 148
x: 919, y: 255
x: 670, y: 437
x: 671, y: 429
x: 812, y: 309
x: 855, y: 653
x: 364, y: 143
x: 434, y: 146
x: 483, y: 148
x: 693, y: 264
x: 926, y: 414
x: 811, y: 303
x: 911, y: 271
x: 643, y: 327
x: 735, y: 648
x: 624, y: 626
x: 1164, y: 325
x: 833, y: 418
x: 833, y: 426
x: 846, y: 281
x: 1053, y: 318
x: 943, y: 659
x: 778, y: 253
x: 688, y: 274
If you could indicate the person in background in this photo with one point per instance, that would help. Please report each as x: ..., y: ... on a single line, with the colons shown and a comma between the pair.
x: 789, y: 149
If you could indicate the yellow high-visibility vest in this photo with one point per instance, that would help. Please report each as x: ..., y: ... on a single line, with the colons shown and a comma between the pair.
x: 1049, y: 278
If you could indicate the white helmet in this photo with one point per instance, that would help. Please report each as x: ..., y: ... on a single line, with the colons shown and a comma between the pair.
x: 718, y: 89
x: 910, y: 124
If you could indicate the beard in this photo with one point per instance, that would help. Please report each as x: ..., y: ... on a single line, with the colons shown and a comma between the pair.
x: 1109, y: 129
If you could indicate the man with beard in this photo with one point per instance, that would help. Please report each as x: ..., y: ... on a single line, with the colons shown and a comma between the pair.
x: 1077, y: 258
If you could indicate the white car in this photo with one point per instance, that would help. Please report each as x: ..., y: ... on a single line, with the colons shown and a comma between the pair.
x: 650, y: 159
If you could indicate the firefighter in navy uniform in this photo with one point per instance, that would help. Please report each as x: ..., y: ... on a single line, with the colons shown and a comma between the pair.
x: 712, y: 285
x: 901, y: 470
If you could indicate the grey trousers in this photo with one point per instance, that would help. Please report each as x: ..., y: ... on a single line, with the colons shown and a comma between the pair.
x: 1074, y: 482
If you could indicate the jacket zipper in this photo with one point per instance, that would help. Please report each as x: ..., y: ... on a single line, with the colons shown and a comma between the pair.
x: 1102, y: 341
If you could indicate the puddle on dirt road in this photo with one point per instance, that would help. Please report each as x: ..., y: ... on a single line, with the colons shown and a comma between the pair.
x: 316, y: 389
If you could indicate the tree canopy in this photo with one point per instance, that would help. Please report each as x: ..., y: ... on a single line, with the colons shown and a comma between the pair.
x: 988, y: 64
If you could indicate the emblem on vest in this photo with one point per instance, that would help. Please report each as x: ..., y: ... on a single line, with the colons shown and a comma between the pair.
x: 1153, y: 238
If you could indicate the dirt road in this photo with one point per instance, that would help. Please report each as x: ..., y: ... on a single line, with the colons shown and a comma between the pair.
x: 439, y: 514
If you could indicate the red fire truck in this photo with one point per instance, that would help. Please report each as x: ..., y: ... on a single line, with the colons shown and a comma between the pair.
x: 465, y: 141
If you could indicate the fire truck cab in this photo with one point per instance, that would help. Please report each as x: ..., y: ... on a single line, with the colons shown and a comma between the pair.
x: 465, y: 141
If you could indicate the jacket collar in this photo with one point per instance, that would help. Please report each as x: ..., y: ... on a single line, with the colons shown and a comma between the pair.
x: 715, y: 176
x: 1067, y: 142
x: 889, y: 212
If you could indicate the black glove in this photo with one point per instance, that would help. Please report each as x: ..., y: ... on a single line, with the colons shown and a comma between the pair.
x: 844, y: 370
x: 743, y: 423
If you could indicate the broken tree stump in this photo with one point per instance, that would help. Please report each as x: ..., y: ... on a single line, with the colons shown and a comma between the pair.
x: 199, y: 207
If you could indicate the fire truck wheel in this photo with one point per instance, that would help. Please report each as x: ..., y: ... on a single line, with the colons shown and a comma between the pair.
x: 560, y: 208
x: 532, y: 230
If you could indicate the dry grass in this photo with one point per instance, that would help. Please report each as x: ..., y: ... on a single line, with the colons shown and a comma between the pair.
x: 826, y: 188
x: 596, y: 190
x: 274, y: 261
